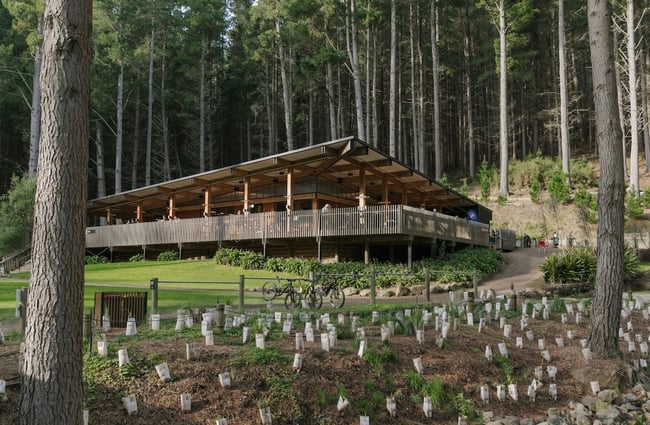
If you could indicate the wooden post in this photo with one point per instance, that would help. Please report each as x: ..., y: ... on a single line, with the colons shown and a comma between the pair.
x: 241, y: 293
x: 373, y: 288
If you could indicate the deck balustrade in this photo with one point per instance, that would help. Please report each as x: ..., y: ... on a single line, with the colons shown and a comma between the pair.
x: 337, y: 222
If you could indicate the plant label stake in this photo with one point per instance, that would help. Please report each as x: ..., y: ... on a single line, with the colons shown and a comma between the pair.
x: 364, y: 420
x: 539, y: 372
x: 552, y: 372
x: 569, y: 334
x: 512, y: 391
x: 564, y: 319
x: 123, y: 357
x: 362, y: 348
x: 332, y: 337
x: 86, y: 416
x: 417, y: 363
x: 419, y: 335
x: 502, y: 322
x: 209, y: 337
x: 643, y: 346
x: 286, y: 327
x: 186, y: 402
x: 189, y: 351
x: 530, y: 335
x: 204, y: 327
x: 130, y: 404
x: 265, y: 415
x: 488, y: 353
x: 385, y: 334
x: 519, y: 342
x: 155, y: 322
x: 595, y: 387
x: 246, y: 334
x: 180, y: 323
x: 462, y: 420
x: 485, y: 394
x: 309, y: 335
x: 507, y: 331
x: 427, y: 407
x: 503, y: 349
x: 361, y: 333
x: 189, y: 321
x: 501, y: 392
x: 586, y: 352
x: 325, y: 342
x: 342, y: 403
x: 541, y: 343
x: 3, y: 390
x: 259, y: 341
x: 470, y: 319
x: 224, y: 379
x: 163, y: 372
x: 300, y: 346
x: 631, y: 346
x: 297, y: 362
x: 559, y: 342
x: 532, y: 391
x: 221, y: 421
x: 106, y: 323
x: 391, y: 406
x: 546, y: 355
x: 102, y: 347
x: 552, y: 390
x: 131, y: 328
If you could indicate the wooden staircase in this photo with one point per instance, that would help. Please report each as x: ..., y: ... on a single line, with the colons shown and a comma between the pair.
x: 15, y: 260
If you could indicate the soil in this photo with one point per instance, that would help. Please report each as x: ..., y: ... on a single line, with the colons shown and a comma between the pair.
x: 310, y: 395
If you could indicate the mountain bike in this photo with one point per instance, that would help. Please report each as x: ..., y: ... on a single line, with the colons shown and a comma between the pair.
x: 295, y: 290
x: 328, y: 286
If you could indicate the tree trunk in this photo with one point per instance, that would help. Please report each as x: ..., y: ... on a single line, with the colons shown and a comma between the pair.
x: 51, y: 388
x: 645, y: 114
x: 35, y: 126
x: 353, y: 53
x: 468, y: 94
x: 634, y: 110
x: 119, y: 136
x: 204, y: 48
x: 392, y: 101
x: 167, y: 169
x: 564, y: 114
x: 417, y: 149
x: 330, y: 100
x: 503, y: 101
x: 150, y: 109
x: 136, y: 143
x: 101, y: 175
x: 286, y: 88
x: 436, y: 92
x: 606, y: 306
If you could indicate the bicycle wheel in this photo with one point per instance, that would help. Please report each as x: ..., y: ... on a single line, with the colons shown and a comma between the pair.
x: 314, y: 298
x: 270, y: 290
x: 292, y: 300
x: 337, y: 297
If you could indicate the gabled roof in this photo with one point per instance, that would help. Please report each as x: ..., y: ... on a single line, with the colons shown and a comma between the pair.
x: 339, y: 161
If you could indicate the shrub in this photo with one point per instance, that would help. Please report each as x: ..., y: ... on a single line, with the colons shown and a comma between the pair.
x: 95, y: 259
x: 633, y: 206
x: 485, y: 177
x: 136, y: 258
x: 578, y: 265
x: 534, y: 192
x: 587, y: 205
x: 168, y: 256
x: 558, y: 188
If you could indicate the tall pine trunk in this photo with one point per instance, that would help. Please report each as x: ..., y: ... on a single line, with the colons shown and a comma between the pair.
x: 150, y: 109
x: 606, y: 304
x: 503, y: 102
x: 392, y: 100
x: 119, y: 135
x: 286, y: 87
x: 436, y: 92
x: 35, y: 125
x: 564, y: 113
x: 52, y: 368
x: 634, y: 109
x: 353, y: 54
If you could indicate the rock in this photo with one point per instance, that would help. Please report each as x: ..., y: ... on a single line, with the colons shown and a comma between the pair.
x: 386, y: 293
x: 417, y: 290
x: 364, y: 293
x: 527, y: 422
x: 589, y: 401
x: 350, y: 290
x: 437, y: 289
x: 607, y: 395
x: 402, y: 291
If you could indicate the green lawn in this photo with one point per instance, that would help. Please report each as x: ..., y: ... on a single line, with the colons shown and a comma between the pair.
x: 182, y: 284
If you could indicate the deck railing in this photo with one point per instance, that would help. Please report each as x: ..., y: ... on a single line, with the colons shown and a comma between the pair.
x: 371, y: 221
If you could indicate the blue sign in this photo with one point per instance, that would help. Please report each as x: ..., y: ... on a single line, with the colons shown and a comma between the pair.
x: 472, y: 215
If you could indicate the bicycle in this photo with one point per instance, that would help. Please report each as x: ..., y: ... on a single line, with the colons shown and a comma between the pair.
x: 294, y: 292
x: 330, y: 287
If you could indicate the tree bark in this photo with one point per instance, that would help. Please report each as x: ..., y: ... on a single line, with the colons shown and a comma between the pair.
x: 503, y: 101
x: 645, y: 115
x: 564, y: 114
x: 35, y: 126
x: 353, y: 53
x: 202, y: 116
x: 468, y: 94
x: 150, y: 109
x: 330, y: 101
x: 392, y: 145
x: 634, y: 109
x: 51, y: 388
x: 606, y: 307
x: 119, y: 131
x: 436, y: 92
x: 286, y: 87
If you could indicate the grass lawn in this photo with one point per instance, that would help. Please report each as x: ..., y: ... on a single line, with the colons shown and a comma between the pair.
x: 183, y: 284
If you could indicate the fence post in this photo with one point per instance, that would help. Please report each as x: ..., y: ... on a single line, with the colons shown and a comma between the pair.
x: 475, y: 283
x: 21, y: 299
x: 153, y: 285
x: 427, y: 285
x: 241, y: 292
x: 87, y: 327
x: 373, y: 289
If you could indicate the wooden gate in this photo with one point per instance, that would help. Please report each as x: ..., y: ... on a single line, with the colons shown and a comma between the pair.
x: 119, y: 306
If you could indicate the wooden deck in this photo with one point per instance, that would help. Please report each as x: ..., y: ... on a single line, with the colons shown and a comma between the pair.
x: 373, y: 221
